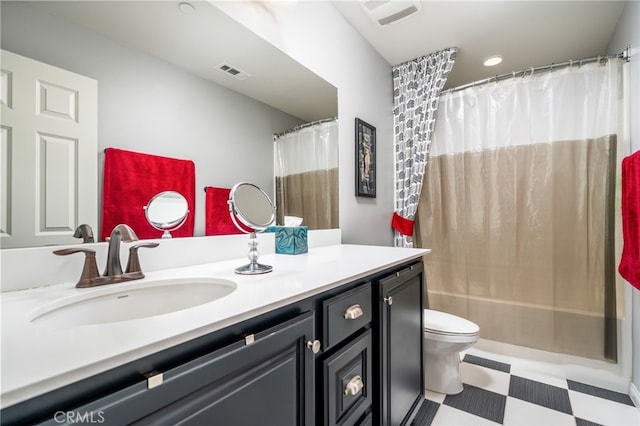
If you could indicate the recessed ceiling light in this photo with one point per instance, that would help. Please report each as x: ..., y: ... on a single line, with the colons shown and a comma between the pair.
x: 187, y: 8
x: 492, y: 61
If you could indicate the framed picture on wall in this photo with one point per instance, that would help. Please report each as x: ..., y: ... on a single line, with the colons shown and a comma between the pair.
x: 365, y: 159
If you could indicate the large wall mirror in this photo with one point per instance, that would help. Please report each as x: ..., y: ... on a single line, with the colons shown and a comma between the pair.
x: 167, y: 85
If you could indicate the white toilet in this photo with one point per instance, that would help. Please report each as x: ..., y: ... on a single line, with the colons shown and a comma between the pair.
x: 445, y: 336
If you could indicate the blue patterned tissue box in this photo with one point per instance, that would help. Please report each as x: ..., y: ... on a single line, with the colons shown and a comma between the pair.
x: 290, y: 239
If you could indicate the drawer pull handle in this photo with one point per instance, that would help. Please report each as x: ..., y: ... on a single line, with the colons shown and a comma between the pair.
x: 154, y: 379
x: 314, y: 346
x: 353, y: 312
x: 354, y: 386
x: 389, y: 300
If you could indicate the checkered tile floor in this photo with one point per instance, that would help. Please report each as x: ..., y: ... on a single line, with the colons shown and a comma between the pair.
x: 494, y: 394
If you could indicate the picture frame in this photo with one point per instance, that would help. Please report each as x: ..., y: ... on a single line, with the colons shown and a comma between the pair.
x: 365, y: 159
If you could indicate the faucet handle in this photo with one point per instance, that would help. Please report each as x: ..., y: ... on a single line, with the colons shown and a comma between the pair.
x: 85, y: 232
x: 90, y: 268
x: 133, y: 265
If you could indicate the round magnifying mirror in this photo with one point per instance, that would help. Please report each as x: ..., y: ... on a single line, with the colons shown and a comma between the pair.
x: 167, y: 211
x: 251, y: 211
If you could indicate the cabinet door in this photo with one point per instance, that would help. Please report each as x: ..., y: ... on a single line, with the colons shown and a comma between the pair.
x: 401, y: 345
x: 269, y: 381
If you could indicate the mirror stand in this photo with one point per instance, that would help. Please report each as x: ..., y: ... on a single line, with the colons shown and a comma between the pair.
x: 251, y: 210
x: 253, y: 267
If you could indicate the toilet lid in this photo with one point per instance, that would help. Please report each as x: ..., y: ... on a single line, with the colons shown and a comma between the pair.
x: 442, y: 322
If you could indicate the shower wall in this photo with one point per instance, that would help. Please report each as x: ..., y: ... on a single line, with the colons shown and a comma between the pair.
x: 627, y: 33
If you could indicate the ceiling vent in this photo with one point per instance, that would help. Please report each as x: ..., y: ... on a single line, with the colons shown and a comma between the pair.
x: 386, y: 12
x: 233, y: 72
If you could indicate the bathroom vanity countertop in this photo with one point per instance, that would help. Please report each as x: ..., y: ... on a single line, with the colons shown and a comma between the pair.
x: 37, y: 358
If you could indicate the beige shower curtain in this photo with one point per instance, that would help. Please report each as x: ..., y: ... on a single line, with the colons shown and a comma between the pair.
x: 518, y: 209
x: 306, y: 173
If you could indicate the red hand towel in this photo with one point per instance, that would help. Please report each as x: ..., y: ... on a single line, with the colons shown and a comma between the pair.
x: 217, y: 212
x: 402, y: 225
x: 131, y: 179
x: 630, y: 262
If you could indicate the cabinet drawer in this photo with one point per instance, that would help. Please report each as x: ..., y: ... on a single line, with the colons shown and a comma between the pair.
x: 348, y: 382
x: 345, y: 314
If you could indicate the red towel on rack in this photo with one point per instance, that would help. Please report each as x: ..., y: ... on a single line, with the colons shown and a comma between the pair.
x: 131, y: 179
x: 630, y: 262
x: 217, y: 212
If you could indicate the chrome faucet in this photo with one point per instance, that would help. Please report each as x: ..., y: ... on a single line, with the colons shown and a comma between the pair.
x: 123, y: 233
x: 113, y: 272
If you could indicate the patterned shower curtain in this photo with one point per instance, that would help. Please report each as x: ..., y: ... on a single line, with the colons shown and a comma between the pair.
x: 416, y: 88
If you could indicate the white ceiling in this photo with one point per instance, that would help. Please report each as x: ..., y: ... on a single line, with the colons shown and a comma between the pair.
x: 199, y: 42
x: 526, y: 33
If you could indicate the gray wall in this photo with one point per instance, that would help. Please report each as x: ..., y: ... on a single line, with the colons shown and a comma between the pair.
x: 627, y: 33
x: 317, y: 36
x: 148, y: 105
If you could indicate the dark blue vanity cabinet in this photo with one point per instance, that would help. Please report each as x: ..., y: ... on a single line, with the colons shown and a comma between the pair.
x: 266, y: 377
x: 348, y: 356
x: 400, y: 304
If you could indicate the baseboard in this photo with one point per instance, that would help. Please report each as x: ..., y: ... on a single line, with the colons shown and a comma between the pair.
x: 635, y: 395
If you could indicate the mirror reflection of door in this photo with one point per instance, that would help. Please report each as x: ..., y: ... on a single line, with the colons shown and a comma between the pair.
x: 306, y: 169
x: 50, y: 115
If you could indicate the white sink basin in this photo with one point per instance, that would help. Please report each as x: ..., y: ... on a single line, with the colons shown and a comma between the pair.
x: 128, y: 301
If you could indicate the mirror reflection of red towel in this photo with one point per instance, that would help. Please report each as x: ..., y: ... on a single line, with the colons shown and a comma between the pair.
x: 630, y: 262
x: 131, y: 179
x: 217, y: 212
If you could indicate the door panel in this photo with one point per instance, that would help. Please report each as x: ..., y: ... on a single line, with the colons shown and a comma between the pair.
x: 49, y: 153
x: 5, y: 181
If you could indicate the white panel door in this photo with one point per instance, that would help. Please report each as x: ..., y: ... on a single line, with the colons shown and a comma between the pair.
x: 49, y: 175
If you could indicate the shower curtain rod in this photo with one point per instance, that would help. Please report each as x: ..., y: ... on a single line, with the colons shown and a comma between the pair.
x: 534, y: 70
x: 302, y: 126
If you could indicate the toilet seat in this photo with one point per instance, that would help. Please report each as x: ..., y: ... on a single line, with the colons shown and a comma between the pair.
x: 445, y: 337
x: 442, y: 323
